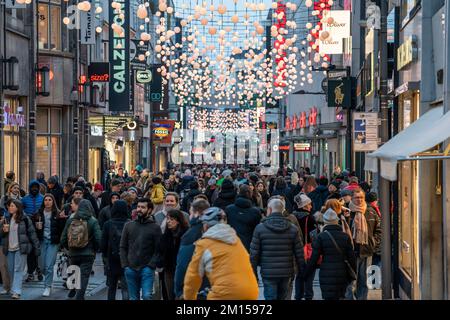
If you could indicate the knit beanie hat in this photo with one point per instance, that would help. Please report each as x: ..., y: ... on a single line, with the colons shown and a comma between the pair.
x: 330, y: 217
x: 227, y: 185
x: 302, y: 200
x: 98, y: 187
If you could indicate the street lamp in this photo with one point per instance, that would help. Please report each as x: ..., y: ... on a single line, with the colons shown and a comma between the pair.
x: 11, y: 73
x: 43, y: 81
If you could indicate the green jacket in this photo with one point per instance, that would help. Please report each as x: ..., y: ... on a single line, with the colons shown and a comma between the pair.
x: 85, y: 212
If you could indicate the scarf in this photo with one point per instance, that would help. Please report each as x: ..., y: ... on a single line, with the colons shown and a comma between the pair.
x: 377, y: 209
x: 360, y: 231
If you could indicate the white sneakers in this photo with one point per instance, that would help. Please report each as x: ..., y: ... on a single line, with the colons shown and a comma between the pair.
x: 46, y: 292
x: 3, y: 292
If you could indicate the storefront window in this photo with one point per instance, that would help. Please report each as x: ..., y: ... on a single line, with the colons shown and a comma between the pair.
x: 48, y: 153
x: 50, y: 25
x: 11, y: 139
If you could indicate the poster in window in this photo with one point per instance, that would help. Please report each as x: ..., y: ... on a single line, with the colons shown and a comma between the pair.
x: 365, y: 131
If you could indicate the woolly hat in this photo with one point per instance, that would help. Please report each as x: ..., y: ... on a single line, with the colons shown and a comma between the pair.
x: 371, y: 197
x: 227, y: 185
x: 302, y: 200
x: 330, y: 217
x: 346, y: 193
x: 98, y: 187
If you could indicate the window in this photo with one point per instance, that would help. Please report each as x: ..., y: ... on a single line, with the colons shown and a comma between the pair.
x: 50, y: 25
x: 48, y: 153
x: 406, y: 7
x: 11, y: 140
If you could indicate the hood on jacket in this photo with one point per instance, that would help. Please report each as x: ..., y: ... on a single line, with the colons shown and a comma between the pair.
x: 277, y: 223
x: 242, y: 202
x: 222, y: 232
x: 33, y: 183
x: 85, y: 210
x: 119, y: 210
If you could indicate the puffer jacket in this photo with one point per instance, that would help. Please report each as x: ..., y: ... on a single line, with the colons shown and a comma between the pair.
x: 221, y: 256
x: 157, y: 195
x: 28, y: 240
x: 333, y: 276
x: 85, y: 212
x: 276, y: 244
x: 243, y: 217
x: 31, y: 204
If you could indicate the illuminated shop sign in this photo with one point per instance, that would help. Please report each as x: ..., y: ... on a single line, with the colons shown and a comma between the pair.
x: 98, y: 72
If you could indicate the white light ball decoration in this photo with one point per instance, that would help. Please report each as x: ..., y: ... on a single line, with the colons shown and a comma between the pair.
x: 162, y: 6
x: 98, y: 29
x: 274, y: 5
x: 66, y: 20
x: 222, y: 9
x: 308, y: 3
x: 309, y: 25
x: 169, y: 10
x: 145, y: 36
x: 98, y: 10
x: 141, y: 12
x: 141, y: 57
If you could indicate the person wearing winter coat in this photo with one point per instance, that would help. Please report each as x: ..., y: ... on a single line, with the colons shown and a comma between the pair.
x: 281, y: 189
x: 319, y: 195
x: 372, y: 201
x: 187, y: 246
x: 10, y: 178
x: 83, y: 257
x: 261, y: 188
x: 243, y: 217
x: 366, y: 229
x: 353, y: 184
x: 304, y: 286
x: 19, y: 239
x: 157, y: 194
x: 227, y: 195
x: 171, y: 201
x: 211, y: 188
x: 169, y: 247
x: 13, y: 192
x: 49, y: 223
x: 189, y: 198
x: 185, y: 181
x: 138, y: 251
x: 110, y: 248
x: 105, y: 213
x: 56, y: 190
x: 116, y: 186
x: 275, y: 246
x: 220, y: 256
x: 333, y: 275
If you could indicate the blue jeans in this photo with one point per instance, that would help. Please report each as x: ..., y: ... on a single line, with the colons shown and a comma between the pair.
x: 16, y: 268
x: 48, y: 260
x: 140, y: 279
x: 276, y: 288
x: 358, y: 290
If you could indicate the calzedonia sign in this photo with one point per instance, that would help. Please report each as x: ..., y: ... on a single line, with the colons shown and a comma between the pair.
x: 119, y: 57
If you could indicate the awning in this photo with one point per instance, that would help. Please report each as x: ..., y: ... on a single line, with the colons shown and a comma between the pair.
x: 427, y: 132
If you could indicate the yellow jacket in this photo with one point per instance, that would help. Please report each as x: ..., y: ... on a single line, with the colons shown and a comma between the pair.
x: 221, y: 256
x: 157, y: 195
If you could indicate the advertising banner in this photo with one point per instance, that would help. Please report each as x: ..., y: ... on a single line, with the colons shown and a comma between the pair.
x: 162, y: 131
x: 119, y: 57
x: 87, y: 26
x: 365, y: 131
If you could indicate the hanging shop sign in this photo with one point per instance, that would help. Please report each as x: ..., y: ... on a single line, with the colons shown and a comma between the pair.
x: 143, y: 76
x: 13, y: 4
x: 98, y: 72
x: 138, y: 59
x: 407, y: 53
x: 334, y: 30
x: 13, y: 119
x: 119, y: 57
x: 87, y: 26
x: 162, y: 131
x: 365, y: 131
x: 339, y: 93
x: 156, y: 85
x: 302, y: 147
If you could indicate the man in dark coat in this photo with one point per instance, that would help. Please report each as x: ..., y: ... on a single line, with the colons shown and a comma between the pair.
x: 189, y: 198
x: 56, y: 190
x: 319, y: 195
x: 227, y: 195
x: 110, y: 248
x: 282, y: 189
x: 334, y: 276
x: 116, y: 186
x: 242, y: 216
x: 275, y: 246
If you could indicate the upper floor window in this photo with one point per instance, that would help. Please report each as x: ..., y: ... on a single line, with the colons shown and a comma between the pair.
x: 49, y: 21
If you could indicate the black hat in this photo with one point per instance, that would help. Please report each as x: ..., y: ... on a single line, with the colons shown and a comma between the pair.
x: 80, y: 184
x: 52, y: 180
x: 227, y: 185
x: 334, y: 195
x: 371, y: 197
x: 78, y: 188
x: 336, y: 184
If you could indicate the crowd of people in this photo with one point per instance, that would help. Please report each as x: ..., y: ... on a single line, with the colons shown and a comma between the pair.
x: 202, y: 232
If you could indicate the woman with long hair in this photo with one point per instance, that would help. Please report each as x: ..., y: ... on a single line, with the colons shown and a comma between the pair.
x: 169, y: 245
x: 19, y: 239
x: 262, y: 189
x: 310, y: 185
x: 49, y: 224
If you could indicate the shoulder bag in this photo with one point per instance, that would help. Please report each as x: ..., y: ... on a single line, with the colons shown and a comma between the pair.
x: 350, y: 272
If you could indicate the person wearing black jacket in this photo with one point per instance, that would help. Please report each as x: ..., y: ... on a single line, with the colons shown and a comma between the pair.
x: 138, y: 251
x: 169, y: 246
x: 56, y: 190
x: 304, y: 286
x: 227, y: 195
x: 334, y: 274
x: 243, y: 217
x: 116, y: 186
x: 282, y: 189
x: 319, y: 195
x: 105, y: 213
x: 49, y: 224
x: 276, y: 244
x: 189, y: 198
x: 110, y: 248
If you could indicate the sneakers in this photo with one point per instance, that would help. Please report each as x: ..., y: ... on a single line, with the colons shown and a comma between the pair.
x: 46, y: 292
x: 29, y: 278
x: 3, y: 292
x: 15, y: 296
x: 72, y: 293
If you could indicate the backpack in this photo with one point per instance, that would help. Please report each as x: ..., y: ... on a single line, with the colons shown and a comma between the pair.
x: 114, y: 242
x: 77, y: 234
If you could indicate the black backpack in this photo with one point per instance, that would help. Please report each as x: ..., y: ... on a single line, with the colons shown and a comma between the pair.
x: 115, y: 236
